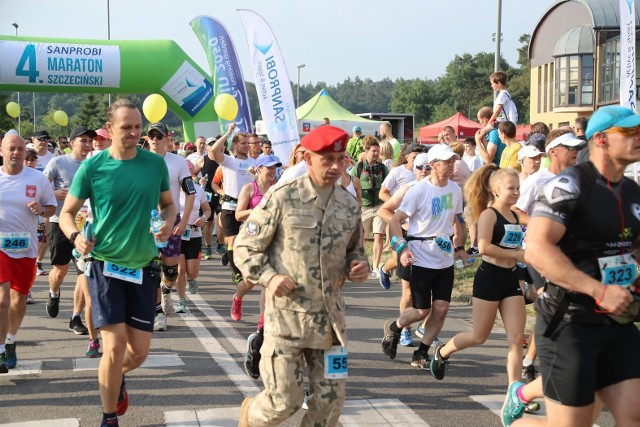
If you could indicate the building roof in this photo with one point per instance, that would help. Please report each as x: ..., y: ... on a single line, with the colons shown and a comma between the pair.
x: 604, y: 13
x: 576, y: 41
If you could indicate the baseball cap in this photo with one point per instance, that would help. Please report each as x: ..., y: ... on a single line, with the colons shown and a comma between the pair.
x: 325, y: 138
x: 441, y: 152
x: 31, y: 153
x: 267, y: 161
x: 537, y: 140
x: 42, y: 134
x: 422, y: 159
x: 31, y: 145
x: 81, y: 130
x: 102, y: 133
x: 160, y: 127
x: 210, y: 141
x: 189, y: 146
x: 414, y: 147
x: 567, y: 139
x: 610, y: 116
x: 529, y: 151
x: 357, y: 129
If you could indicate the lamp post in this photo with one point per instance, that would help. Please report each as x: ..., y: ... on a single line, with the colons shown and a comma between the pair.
x: 15, y: 25
x: 109, y: 31
x: 298, y: 91
x: 496, y: 65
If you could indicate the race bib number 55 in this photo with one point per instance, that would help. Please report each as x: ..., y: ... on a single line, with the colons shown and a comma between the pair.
x: 336, y: 363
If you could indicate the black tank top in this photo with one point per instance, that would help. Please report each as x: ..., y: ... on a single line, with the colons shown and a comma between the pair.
x: 209, y: 168
x: 507, y: 235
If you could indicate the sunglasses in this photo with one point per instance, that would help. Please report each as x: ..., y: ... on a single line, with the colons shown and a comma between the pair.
x: 566, y: 147
x: 156, y: 136
x: 629, y: 132
x: 423, y: 167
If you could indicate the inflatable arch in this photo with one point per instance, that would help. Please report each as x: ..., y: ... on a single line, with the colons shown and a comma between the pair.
x: 36, y: 64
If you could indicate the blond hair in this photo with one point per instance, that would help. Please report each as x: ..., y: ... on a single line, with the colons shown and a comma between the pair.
x: 477, y: 190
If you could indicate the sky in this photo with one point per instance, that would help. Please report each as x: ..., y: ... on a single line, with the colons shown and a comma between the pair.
x: 334, y: 39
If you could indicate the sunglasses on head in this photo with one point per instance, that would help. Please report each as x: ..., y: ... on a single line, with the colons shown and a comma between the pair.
x: 156, y: 136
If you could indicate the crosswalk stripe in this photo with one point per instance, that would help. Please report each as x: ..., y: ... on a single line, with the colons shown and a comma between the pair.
x: 26, y: 367
x: 154, y: 360
x: 62, y: 422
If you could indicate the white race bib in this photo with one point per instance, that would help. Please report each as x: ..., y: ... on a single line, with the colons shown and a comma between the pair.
x: 187, y: 234
x: 123, y: 273
x: 513, y: 236
x: 15, y: 242
x: 336, y: 363
x: 618, y: 270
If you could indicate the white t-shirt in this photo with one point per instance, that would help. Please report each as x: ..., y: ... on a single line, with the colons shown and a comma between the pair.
x: 397, y: 178
x: 201, y: 197
x: 178, y: 170
x: 431, y: 212
x: 16, y: 191
x: 193, y: 157
x: 530, y: 189
x: 474, y: 162
x: 236, y: 175
x: 294, y: 172
x: 44, y: 160
x: 509, y: 110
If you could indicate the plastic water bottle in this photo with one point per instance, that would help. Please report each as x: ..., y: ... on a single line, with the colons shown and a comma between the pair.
x: 156, y: 223
x: 470, y: 261
x: 205, y: 178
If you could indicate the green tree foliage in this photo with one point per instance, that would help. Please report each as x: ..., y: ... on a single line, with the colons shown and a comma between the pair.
x: 92, y: 113
x: 417, y: 96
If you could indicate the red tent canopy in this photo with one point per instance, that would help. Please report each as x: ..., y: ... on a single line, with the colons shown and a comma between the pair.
x: 460, y: 124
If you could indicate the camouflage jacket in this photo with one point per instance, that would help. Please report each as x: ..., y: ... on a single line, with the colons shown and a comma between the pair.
x: 292, y: 233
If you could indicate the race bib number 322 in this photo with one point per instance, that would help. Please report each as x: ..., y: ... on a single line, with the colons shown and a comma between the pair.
x: 116, y: 271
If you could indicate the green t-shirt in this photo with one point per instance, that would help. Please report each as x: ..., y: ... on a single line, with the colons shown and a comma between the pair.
x: 122, y: 194
x: 355, y: 147
x: 397, y: 148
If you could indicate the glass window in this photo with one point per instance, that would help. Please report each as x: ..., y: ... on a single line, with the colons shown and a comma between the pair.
x: 609, y: 72
x: 574, y: 80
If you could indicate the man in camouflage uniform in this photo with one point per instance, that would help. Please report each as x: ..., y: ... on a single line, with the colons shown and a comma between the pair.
x: 278, y: 248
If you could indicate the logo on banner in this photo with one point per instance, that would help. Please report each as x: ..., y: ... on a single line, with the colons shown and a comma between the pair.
x: 31, y: 191
x: 306, y: 127
x: 189, y: 89
x: 58, y: 64
x: 263, y: 48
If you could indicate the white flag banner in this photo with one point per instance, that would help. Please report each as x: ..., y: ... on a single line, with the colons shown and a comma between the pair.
x: 272, y: 84
x: 628, y: 94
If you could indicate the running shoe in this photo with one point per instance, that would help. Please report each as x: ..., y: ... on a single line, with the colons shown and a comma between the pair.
x: 436, y: 342
x: 532, y: 408
x: 123, y: 399
x: 473, y: 251
x: 110, y: 423
x: 529, y: 373
x: 77, y: 327
x: 3, y: 363
x: 167, y: 302
x: 420, y: 331
x: 236, y: 308
x: 236, y: 278
x: 10, y: 355
x: 53, y: 306
x: 181, y: 307
x: 207, y: 253
x: 438, y: 364
x: 405, y: 338
x: 225, y: 259
x: 384, y: 278
x: 512, y: 408
x: 221, y: 249
x: 376, y: 274
x: 421, y: 360
x: 193, y: 286
x: 160, y: 323
x: 390, y: 340
x: 524, y: 342
x: 93, y: 350
x: 252, y: 357
x: 30, y: 298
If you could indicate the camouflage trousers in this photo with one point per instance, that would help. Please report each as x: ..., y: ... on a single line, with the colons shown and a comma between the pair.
x: 281, y: 369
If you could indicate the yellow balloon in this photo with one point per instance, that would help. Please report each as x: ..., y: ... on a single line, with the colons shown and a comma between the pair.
x: 154, y: 107
x: 13, y: 109
x: 61, y: 118
x: 226, y: 107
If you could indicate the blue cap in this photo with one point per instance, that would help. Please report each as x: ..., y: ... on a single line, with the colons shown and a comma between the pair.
x: 267, y: 161
x: 610, y: 116
x: 357, y: 129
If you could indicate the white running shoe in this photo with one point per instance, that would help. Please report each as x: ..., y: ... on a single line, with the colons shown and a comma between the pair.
x: 161, y: 322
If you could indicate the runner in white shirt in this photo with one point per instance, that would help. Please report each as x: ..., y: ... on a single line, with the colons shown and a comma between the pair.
x: 432, y: 207
x: 24, y: 195
x: 180, y: 181
x: 236, y: 175
x: 41, y: 144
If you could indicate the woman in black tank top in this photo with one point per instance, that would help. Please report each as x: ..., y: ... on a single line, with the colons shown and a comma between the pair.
x: 490, y: 193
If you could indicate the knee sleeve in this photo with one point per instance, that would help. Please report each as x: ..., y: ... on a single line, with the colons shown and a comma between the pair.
x: 170, y: 272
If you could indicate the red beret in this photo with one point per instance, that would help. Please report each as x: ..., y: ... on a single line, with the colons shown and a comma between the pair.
x: 326, y: 138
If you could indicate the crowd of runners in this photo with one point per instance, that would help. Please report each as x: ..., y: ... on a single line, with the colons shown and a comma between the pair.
x: 552, y: 220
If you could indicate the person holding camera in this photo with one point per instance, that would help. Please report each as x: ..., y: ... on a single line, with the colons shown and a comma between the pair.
x: 371, y: 174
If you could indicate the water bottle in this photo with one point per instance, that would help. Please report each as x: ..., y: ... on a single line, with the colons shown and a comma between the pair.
x: 470, y: 261
x: 205, y: 178
x: 156, y: 223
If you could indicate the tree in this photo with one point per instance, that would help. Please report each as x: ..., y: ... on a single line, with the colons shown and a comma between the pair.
x: 415, y: 96
x: 92, y: 113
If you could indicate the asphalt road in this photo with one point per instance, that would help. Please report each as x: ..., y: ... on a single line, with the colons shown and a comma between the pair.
x: 196, y: 376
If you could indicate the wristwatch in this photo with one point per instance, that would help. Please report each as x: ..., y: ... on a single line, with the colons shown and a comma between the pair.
x: 73, y: 236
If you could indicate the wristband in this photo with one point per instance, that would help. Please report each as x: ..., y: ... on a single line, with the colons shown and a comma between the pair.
x: 394, y: 241
x: 402, y: 244
x: 599, y: 300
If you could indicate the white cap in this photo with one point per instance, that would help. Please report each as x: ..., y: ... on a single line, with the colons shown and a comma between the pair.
x: 568, y: 139
x: 441, y: 152
x: 529, y: 151
x: 421, y: 159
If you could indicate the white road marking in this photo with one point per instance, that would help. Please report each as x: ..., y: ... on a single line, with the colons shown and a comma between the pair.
x: 26, y: 367
x: 62, y: 422
x: 154, y: 360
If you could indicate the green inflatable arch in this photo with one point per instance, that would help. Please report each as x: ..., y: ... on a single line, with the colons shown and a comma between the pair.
x: 36, y: 64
